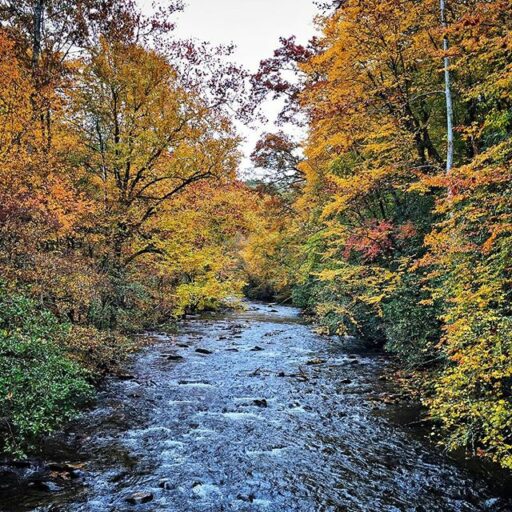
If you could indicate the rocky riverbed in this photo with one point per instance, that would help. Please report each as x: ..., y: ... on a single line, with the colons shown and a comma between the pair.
x: 247, y: 411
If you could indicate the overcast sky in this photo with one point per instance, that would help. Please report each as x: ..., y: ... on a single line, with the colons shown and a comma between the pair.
x: 254, y: 26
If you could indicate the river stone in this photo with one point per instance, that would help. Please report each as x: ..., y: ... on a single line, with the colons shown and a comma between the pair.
x: 249, y: 498
x: 46, y: 486
x: 139, y: 498
x: 315, y: 362
x: 125, y: 376
x: 173, y: 357
x: 66, y: 471
x: 203, y: 351
x: 165, y: 484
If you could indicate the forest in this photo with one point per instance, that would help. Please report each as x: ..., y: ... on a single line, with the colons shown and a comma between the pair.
x: 122, y: 208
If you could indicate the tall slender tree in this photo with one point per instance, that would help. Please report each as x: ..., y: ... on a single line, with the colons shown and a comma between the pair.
x: 448, y: 90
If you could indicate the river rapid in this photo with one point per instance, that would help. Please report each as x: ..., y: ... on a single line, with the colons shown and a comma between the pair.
x: 246, y: 411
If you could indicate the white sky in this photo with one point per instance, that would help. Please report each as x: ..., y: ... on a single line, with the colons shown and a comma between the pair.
x: 254, y: 26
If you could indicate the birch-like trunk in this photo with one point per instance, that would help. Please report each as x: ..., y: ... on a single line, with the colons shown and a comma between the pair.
x: 448, y: 91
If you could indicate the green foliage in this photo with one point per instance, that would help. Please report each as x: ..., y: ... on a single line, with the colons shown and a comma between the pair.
x: 411, y: 324
x: 338, y: 311
x: 40, y: 387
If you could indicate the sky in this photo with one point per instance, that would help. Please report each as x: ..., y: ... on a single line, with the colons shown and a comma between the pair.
x: 254, y: 26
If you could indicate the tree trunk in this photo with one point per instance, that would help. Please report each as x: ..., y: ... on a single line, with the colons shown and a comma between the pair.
x: 38, y: 32
x: 448, y: 91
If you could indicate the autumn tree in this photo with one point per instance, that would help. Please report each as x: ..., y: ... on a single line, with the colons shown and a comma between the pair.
x: 469, y: 251
x: 396, y: 94
x: 50, y: 33
x: 119, y: 203
x: 279, y: 156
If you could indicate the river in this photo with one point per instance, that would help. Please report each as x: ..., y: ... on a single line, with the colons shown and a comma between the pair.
x: 247, y: 411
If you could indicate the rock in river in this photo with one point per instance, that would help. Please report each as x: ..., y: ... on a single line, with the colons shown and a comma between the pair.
x: 139, y: 498
x: 203, y: 351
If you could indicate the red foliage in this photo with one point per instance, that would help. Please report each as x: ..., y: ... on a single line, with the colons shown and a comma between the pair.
x: 371, y: 241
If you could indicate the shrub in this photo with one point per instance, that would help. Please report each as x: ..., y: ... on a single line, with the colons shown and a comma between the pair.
x: 100, y: 352
x: 40, y: 386
x: 472, y: 398
x: 411, y: 324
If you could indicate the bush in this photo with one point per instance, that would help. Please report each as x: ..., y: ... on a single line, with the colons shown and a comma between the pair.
x: 100, y: 352
x: 411, y: 324
x: 40, y: 386
x: 472, y: 398
x: 340, y: 307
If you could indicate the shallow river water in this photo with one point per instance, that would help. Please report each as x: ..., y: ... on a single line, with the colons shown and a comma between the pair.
x: 248, y: 412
